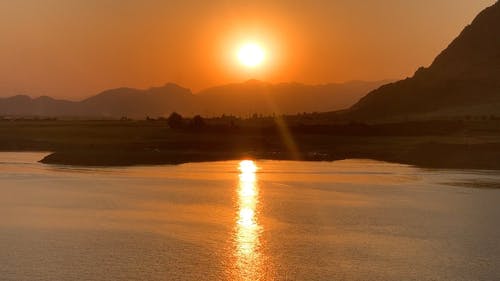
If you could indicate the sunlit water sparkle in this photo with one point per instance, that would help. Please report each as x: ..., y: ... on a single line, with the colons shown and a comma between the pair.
x: 247, y: 220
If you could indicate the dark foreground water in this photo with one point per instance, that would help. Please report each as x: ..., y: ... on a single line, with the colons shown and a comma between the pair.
x: 268, y: 220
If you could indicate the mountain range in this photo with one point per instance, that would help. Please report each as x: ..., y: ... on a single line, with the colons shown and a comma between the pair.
x: 240, y: 99
x: 464, y: 79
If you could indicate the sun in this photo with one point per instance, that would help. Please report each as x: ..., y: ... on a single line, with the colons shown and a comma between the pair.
x: 251, y: 55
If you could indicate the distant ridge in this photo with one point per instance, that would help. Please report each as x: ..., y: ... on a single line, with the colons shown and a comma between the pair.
x: 255, y: 96
x: 134, y: 103
x: 242, y: 99
x: 23, y: 105
x: 464, y: 78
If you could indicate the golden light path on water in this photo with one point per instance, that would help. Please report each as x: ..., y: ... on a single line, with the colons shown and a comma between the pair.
x: 248, y: 256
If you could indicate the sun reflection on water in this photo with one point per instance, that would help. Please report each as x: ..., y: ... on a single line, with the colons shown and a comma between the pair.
x: 247, y: 227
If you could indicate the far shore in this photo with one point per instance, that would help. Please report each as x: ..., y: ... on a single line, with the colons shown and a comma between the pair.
x: 447, y: 145
x: 440, y: 156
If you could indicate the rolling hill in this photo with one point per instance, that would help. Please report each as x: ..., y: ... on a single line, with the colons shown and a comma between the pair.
x: 286, y: 98
x: 240, y: 99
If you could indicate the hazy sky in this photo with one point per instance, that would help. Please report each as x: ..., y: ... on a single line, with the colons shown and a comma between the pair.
x: 76, y: 48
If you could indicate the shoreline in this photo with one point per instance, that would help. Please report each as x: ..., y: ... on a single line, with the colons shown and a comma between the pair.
x: 472, y: 145
x: 428, y: 155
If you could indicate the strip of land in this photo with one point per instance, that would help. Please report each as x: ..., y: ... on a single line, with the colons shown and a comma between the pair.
x: 432, y: 144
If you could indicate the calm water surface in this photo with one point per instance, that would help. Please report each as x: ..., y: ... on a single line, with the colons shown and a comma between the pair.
x: 263, y: 220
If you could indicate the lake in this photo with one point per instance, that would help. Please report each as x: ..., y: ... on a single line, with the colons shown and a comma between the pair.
x: 246, y: 220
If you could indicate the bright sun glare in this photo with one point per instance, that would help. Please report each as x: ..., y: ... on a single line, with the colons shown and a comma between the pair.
x: 248, y: 167
x: 251, y: 55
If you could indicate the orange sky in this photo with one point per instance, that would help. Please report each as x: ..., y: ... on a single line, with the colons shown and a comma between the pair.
x: 73, y: 49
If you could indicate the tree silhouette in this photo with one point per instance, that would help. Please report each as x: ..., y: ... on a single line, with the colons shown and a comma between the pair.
x: 198, y: 122
x: 175, y: 121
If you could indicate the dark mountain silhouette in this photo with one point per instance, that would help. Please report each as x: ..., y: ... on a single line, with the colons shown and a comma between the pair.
x: 464, y: 78
x: 237, y: 99
x: 22, y: 105
x: 264, y: 98
x: 115, y: 103
x: 156, y: 101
